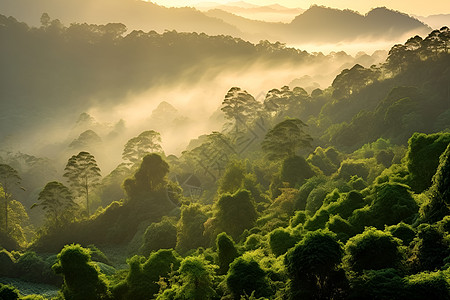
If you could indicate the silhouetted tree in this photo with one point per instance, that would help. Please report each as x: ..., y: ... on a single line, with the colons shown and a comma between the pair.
x: 57, y: 201
x: 285, y: 139
x: 83, y: 174
x: 145, y: 143
x: 9, y: 180
x: 239, y: 106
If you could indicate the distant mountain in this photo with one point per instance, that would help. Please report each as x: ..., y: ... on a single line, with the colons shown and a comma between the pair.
x: 318, y: 24
x: 269, y: 13
x: 137, y: 15
x: 340, y: 25
x: 346, y: 25
x: 436, y: 21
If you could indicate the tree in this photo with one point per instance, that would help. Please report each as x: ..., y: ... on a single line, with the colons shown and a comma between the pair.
x: 295, y: 170
x: 438, y: 206
x: 190, y: 228
x: 82, y: 279
x: 150, y: 177
x: 145, y: 143
x: 246, y: 277
x: 142, y: 280
x: 226, y: 252
x: 235, y: 213
x: 373, y: 250
x: 285, y: 139
x: 83, y: 174
x: 162, y: 235
x: 9, y: 180
x: 196, y: 277
x: 239, y: 106
x: 312, y: 266
x: 57, y: 201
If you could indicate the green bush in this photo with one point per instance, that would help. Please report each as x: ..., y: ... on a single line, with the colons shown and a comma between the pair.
x: 82, y: 279
x: 6, y: 264
x: 280, y: 241
x: 378, y: 284
x: 162, y: 235
x: 8, y: 292
x: 246, y: 277
x: 312, y: 266
x: 402, y: 231
x: 142, y: 280
x: 227, y: 252
x: 373, y: 250
x: 423, y: 158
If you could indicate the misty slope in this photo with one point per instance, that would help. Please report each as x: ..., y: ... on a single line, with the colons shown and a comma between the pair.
x: 53, y: 73
x: 436, y: 21
x: 340, y: 25
x: 135, y: 14
x: 269, y: 13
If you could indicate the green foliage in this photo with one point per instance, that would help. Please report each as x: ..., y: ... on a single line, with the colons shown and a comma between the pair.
x: 349, y: 168
x: 235, y: 213
x: 423, y: 158
x: 429, y: 285
x: 142, y: 280
x: 162, y: 235
x: 227, y: 252
x: 253, y: 242
x: 318, y: 220
x: 327, y: 160
x: 298, y: 218
x: 246, y: 277
x: 429, y: 248
x: 82, y: 279
x: 378, y: 284
x: 280, y: 241
x: 6, y: 263
x: 233, y: 178
x: 196, y: 277
x: 33, y: 268
x: 150, y: 177
x: 438, y: 206
x: 392, y: 203
x: 402, y: 231
x: 373, y: 250
x: 306, y: 189
x: 190, y: 228
x: 295, y: 170
x: 285, y: 139
x: 8, y: 292
x: 312, y: 267
x: 9, y: 181
x: 341, y: 227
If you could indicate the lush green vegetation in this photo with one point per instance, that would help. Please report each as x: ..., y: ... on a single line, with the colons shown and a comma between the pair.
x: 343, y: 193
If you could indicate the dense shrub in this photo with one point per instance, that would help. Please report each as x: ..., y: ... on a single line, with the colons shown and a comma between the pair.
x: 162, y: 235
x: 373, y: 250
x: 82, y: 279
x: 246, y: 277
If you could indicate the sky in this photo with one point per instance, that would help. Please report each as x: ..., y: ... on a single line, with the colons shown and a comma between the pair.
x: 416, y: 7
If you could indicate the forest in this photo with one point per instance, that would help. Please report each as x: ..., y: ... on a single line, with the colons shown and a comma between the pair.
x: 340, y: 192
